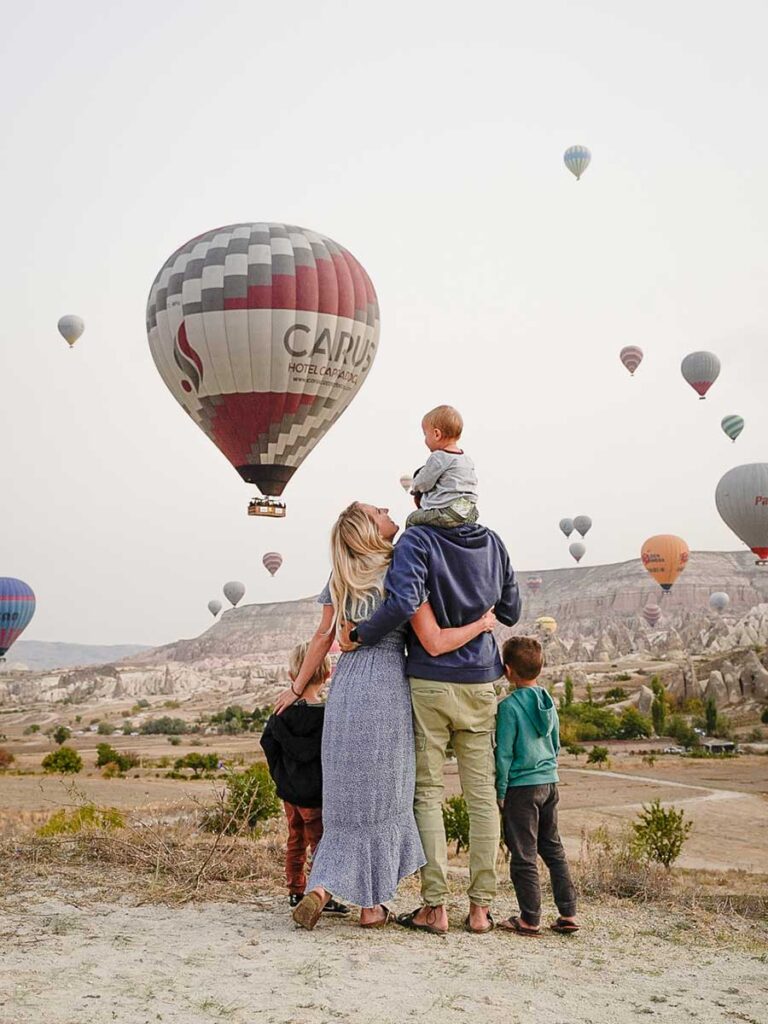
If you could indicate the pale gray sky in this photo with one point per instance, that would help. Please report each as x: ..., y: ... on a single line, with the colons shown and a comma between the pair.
x: 427, y: 138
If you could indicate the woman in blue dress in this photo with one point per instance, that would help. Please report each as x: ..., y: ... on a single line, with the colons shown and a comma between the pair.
x: 370, y: 840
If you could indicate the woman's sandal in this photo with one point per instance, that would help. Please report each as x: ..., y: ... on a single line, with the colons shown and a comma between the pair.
x: 407, y: 921
x: 479, y: 931
x: 513, y: 924
x: 563, y: 927
x: 388, y: 917
x: 307, y: 913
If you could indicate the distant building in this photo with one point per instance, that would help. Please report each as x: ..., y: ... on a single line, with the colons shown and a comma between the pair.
x: 718, y: 746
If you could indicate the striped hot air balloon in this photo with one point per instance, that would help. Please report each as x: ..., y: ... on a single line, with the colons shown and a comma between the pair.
x: 701, y: 370
x: 742, y: 501
x: 214, y: 607
x: 234, y: 591
x: 17, y: 606
x: 732, y: 426
x: 576, y: 159
x: 578, y: 550
x: 651, y: 614
x: 664, y: 557
x: 272, y: 562
x: 70, y: 328
x: 534, y: 584
x: 631, y: 356
x: 263, y: 333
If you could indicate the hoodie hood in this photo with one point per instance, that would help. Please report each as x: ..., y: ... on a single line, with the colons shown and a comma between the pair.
x: 538, y: 707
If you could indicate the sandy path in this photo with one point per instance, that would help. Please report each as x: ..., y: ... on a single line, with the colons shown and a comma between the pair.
x: 229, y: 962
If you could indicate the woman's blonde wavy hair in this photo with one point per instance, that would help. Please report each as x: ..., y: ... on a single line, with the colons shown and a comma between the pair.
x: 360, y: 557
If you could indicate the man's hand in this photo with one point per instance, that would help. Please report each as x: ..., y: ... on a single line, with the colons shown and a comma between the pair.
x: 284, y: 700
x: 344, y: 642
x: 489, y: 621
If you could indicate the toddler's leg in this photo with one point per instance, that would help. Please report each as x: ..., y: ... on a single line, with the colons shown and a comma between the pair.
x: 553, y: 855
x: 521, y: 828
x: 295, y: 851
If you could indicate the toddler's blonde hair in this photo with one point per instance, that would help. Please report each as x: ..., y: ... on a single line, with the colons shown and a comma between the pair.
x: 296, y: 660
x: 446, y: 419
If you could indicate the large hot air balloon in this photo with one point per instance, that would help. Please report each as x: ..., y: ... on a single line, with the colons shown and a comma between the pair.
x: 719, y: 601
x: 70, y: 328
x: 547, y: 624
x: 264, y: 333
x: 742, y: 501
x: 534, y: 584
x: 578, y: 550
x: 272, y: 562
x: 631, y: 356
x: 732, y: 426
x: 214, y: 607
x: 566, y: 525
x: 406, y: 482
x: 651, y: 614
x: 576, y: 159
x: 665, y: 556
x: 233, y: 591
x: 582, y: 525
x: 17, y: 606
x: 701, y: 370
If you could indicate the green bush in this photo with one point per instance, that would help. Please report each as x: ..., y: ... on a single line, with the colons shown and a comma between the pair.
x: 140, y: 705
x: 105, y: 754
x: 598, y: 756
x: 65, y: 760
x: 31, y: 730
x: 78, y: 819
x: 164, y: 726
x: 585, y: 721
x: 250, y: 799
x: 568, y: 692
x: 615, y: 694
x: 61, y: 734
x: 659, y: 833
x: 198, y: 762
x: 633, y: 725
x: 105, y: 728
x: 456, y: 822
x: 680, y: 730
x: 576, y: 749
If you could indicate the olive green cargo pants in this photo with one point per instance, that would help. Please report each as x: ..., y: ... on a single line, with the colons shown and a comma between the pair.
x: 466, y: 714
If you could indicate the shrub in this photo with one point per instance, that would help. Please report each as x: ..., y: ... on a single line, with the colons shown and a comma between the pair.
x: 615, y: 694
x: 78, y: 819
x: 649, y: 759
x: 198, y: 762
x: 633, y: 725
x: 755, y: 736
x: 106, y: 755
x: 140, y: 705
x: 622, y: 677
x: 609, y: 865
x: 568, y: 692
x: 111, y: 770
x: 164, y: 726
x: 598, y: 756
x: 6, y: 759
x: 175, y: 741
x: 576, y: 749
x: 582, y: 721
x: 171, y: 704
x: 31, y: 730
x: 456, y: 821
x: 105, y: 729
x: 250, y: 799
x: 61, y: 734
x: 679, y: 730
x: 659, y: 833
x: 710, y: 716
x: 65, y: 760
x: 764, y: 716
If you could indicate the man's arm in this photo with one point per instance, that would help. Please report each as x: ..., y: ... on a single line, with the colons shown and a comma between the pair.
x: 430, y: 472
x: 508, y: 607
x: 406, y: 589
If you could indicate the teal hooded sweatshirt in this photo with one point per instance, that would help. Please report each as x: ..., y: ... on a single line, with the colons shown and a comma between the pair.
x: 527, y: 740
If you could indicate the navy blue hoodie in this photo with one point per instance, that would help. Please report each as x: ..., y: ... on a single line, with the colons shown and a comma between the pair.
x: 462, y: 572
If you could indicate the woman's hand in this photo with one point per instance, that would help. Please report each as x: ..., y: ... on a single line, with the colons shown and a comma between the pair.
x: 284, y: 700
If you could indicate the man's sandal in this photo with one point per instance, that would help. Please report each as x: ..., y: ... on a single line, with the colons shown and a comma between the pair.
x: 513, y: 924
x: 479, y: 931
x: 563, y: 927
x: 407, y: 921
x: 383, y: 922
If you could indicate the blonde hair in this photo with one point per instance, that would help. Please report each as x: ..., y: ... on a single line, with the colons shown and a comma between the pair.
x: 360, y: 558
x: 296, y: 660
x: 446, y: 419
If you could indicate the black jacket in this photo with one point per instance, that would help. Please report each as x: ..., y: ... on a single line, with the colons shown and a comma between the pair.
x: 291, y: 742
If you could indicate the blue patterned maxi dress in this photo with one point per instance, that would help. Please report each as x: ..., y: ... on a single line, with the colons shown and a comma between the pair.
x: 370, y: 840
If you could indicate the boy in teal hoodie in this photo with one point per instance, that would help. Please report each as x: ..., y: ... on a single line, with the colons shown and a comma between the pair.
x: 527, y: 745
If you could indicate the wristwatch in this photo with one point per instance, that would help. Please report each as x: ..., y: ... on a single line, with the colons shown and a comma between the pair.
x: 353, y: 637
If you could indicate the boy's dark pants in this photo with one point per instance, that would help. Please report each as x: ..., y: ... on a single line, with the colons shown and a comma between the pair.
x: 305, y: 829
x: 530, y: 827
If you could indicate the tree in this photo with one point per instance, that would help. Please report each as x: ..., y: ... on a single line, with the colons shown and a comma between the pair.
x: 633, y: 725
x: 456, y: 821
x: 659, y: 712
x: 164, y: 726
x: 710, y: 715
x: 659, y: 834
x: 61, y: 734
x: 105, y: 728
x: 568, y: 692
x: 65, y: 760
x: 198, y: 762
x: 590, y: 694
x: 250, y: 799
x: 598, y: 756
x: 106, y: 754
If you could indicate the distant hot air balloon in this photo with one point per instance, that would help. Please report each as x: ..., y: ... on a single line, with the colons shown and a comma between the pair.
x: 701, y: 370
x: 17, y: 606
x: 582, y: 525
x: 263, y: 333
x: 732, y: 426
x: 566, y: 525
x: 534, y: 584
x: 406, y: 482
x: 742, y: 501
x: 651, y: 614
x: 70, y: 328
x: 578, y: 550
x: 576, y: 159
x: 665, y: 556
x: 272, y: 562
x: 719, y: 601
x: 547, y: 624
x: 214, y: 607
x: 233, y: 591
x: 631, y: 356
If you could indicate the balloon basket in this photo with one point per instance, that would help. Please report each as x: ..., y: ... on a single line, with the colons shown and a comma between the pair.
x: 270, y: 508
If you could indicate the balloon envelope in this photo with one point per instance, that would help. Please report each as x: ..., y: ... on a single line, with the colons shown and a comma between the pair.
x: 566, y: 525
x: 742, y: 501
x: 272, y: 562
x: 214, y: 607
x: 631, y: 356
x: 665, y: 556
x: 263, y: 333
x: 534, y: 584
x: 406, y: 482
x: 651, y: 614
x: 576, y: 159
x: 547, y: 624
x: 17, y: 606
x: 732, y: 426
x: 578, y: 550
x: 70, y: 328
x: 582, y: 525
x: 233, y: 591
x: 701, y: 370
x: 719, y: 601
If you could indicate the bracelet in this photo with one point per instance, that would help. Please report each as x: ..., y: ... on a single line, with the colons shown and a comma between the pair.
x: 294, y: 692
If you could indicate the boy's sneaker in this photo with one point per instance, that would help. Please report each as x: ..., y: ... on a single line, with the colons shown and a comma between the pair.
x: 331, y: 907
x: 295, y: 899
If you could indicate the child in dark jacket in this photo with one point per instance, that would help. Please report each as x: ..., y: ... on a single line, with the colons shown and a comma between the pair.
x: 291, y: 742
x: 527, y: 745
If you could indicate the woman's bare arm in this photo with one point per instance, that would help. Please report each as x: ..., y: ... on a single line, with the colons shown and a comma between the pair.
x: 318, y: 648
x: 436, y: 641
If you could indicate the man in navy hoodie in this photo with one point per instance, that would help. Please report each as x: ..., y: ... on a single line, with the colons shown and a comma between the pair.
x: 462, y: 571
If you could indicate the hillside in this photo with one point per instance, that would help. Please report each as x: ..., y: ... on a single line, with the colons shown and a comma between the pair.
x: 41, y: 655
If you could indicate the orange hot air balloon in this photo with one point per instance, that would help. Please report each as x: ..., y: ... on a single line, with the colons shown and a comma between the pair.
x: 665, y: 556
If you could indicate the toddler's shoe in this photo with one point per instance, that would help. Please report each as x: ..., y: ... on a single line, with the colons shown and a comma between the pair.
x: 295, y: 899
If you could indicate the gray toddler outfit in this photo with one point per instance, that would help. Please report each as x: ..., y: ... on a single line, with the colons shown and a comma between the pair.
x: 448, y: 487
